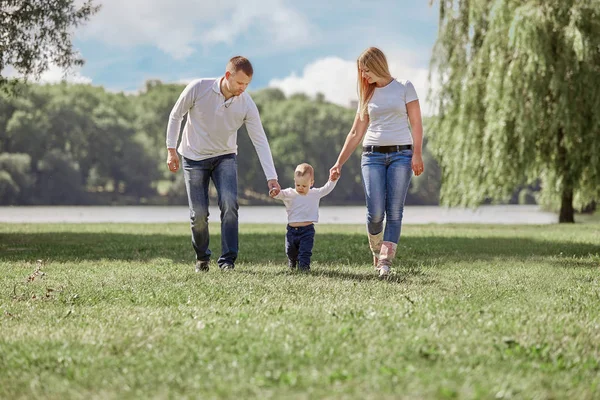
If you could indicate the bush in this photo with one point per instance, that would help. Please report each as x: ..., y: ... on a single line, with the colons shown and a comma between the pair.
x: 9, y: 190
x: 17, y: 175
x: 60, y: 180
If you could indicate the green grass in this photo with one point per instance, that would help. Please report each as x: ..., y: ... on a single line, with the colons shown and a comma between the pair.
x: 116, y: 311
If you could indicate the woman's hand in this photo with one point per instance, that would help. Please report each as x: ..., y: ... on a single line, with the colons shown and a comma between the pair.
x: 417, y: 164
x: 356, y: 134
x: 335, y: 172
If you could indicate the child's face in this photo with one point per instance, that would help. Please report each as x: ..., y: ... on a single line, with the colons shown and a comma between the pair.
x: 303, y: 184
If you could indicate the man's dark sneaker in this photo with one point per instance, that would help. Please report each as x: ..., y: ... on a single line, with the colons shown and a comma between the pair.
x: 201, y: 266
x: 304, y: 268
x: 292, y: 264
x: 226, y: 267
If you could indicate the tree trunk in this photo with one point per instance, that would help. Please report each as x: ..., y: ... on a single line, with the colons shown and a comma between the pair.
x: 567, y: 213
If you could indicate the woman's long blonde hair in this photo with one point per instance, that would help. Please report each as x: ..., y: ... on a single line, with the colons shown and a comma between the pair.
x: 374, y: 60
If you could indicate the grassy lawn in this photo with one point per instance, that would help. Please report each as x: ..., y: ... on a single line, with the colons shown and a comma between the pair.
x: 116, y: 311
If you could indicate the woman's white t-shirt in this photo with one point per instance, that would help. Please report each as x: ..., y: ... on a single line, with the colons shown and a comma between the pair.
x: 388, y: 117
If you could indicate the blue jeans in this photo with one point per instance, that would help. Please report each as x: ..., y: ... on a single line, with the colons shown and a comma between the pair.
x: 299, y: 243
x: 386, y: 177
x: 197, y: 174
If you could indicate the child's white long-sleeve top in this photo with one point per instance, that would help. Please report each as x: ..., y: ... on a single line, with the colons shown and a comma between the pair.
x: 304, y: 208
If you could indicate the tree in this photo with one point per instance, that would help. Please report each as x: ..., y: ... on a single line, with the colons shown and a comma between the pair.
x: 93, y: 130
x: 60, y: 180
x: 518, y: 100
x: 17, y: 182
x: 35, y: 33
x: 425, y: 188
x: 302, y: 130
x: 152, y: 107
x: 9, y: 190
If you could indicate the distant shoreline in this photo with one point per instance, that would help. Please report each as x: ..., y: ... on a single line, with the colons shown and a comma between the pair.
x: 493, y: 214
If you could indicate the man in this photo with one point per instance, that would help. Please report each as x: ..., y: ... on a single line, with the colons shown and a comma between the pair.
x: 216, y: 109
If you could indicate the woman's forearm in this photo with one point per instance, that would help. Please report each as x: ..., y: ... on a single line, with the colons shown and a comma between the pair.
x: 352, y: 141
x: 416, y: 124
x: 417, y: 134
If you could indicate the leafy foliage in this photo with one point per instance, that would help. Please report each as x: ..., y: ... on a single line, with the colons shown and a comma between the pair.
x: 112, y: 147
x: 518, y: 99
x: 79, y: 130
x: 16, y: 181
x: 36, y: 33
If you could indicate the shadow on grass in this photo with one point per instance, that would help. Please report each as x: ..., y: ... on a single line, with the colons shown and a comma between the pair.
x: 399, y: 275
x: 359, y: 273
x: 262, y: 248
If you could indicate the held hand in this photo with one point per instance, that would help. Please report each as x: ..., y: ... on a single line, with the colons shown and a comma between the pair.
x: 417, y: 164
x: 274, y: 187
x: 335, y: 172
x: 172, y: 160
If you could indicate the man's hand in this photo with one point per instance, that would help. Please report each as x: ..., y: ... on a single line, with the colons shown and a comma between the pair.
x: 172, y: 160
x: 274, y: 187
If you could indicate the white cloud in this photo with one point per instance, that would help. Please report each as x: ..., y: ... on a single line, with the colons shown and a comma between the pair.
x: 332, y: 76
x: 53, y: 74
x: 177, y: 26
x: 184, y: 81
x: 335, y: 78
x: 282, y: 25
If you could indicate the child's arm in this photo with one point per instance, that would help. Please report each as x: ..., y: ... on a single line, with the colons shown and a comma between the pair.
x: 327, y: 188
x: 282, y: 195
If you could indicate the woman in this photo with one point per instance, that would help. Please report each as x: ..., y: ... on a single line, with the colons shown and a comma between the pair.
x: 391, y: 151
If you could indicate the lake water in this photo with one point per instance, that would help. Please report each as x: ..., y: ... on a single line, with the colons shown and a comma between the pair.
x: 505, y: 214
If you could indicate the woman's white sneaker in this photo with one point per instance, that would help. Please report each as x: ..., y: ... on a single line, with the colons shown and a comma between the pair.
x: 384, y: 271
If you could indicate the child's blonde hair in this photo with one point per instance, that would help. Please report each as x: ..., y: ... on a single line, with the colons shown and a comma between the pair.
x: 303, y: 170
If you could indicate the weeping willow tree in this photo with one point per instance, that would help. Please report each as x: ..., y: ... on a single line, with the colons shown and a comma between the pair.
x: 518, y: 100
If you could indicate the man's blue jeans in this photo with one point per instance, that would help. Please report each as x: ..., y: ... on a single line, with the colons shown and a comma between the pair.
x: 223, y: 172
x: 386, y: 177
x: 299, y: 243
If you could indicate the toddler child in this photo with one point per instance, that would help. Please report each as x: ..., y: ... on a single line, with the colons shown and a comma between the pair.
x: 302, y: 206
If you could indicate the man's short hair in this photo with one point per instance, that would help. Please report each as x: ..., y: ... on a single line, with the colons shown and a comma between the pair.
x: 238, y: 63
x: 303, y: 170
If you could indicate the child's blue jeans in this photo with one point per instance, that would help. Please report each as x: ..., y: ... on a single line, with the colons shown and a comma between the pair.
x: 298, y: 246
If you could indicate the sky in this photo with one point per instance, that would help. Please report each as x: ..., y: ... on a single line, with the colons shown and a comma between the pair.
x: 306, y: 46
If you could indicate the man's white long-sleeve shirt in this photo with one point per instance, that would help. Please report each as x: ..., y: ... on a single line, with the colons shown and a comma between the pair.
x: 212, y: 124
x: 304, y: 208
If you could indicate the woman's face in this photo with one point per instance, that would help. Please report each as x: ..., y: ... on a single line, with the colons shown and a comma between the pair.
x: 367, y: 75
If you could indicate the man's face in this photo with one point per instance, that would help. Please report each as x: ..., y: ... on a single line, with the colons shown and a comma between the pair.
x: 237, y: 82
x: 303, y: 184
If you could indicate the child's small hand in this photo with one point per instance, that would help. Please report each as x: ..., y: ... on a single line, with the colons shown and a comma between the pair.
x: 334, y: 173
x: 274, y: 187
